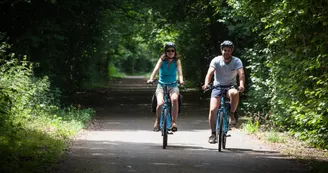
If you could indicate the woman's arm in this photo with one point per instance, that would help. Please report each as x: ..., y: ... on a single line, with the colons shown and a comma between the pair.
x: 158, y: 65
x: 180, y: 74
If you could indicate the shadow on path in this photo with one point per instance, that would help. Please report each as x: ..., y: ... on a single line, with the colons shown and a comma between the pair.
x: 113, y: 156
x: 122, y: 140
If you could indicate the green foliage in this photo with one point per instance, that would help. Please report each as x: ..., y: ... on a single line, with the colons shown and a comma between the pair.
x: 258, y: 95
x: 113, y: 72
x: 282, y: 43
x: 38, y: 143
x: 275, y: 137
x: 288, y: 68
x: 251, y: 127
x: 34, y: 129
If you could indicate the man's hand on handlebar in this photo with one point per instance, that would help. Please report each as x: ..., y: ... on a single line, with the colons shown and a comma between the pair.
x: 204, y: 87
x: 241, y: 89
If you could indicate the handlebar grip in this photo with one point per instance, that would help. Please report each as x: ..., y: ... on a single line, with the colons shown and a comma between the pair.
x: 151, y: 82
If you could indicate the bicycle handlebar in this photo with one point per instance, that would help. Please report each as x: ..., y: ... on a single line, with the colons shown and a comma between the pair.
x: 210, y: 87
x: 151, y: 82
x: 156, y: 80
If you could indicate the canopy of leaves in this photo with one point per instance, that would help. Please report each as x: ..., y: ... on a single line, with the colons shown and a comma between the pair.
x: 282, y: 43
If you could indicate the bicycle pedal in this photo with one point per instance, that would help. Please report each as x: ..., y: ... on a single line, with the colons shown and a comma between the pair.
x: 170, y: 132
x: 228, y: 135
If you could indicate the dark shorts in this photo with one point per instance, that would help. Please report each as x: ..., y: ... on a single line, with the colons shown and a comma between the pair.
x: 218, y: 92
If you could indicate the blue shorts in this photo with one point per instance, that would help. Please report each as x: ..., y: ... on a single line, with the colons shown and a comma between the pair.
x: 218, y: 92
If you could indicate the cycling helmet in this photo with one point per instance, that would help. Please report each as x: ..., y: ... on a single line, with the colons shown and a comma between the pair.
x: 226, y: 43
x: 169, y: 44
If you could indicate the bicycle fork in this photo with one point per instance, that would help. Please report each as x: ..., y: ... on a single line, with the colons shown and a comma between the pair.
x: 168, y: 120
x: 225, y: 124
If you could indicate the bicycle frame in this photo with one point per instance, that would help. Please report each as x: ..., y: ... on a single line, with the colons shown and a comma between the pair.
x: 222, y: 127
x: 167, y: 107
x: 165, y: 118
x: 223, y: 109
x: 165, y: 123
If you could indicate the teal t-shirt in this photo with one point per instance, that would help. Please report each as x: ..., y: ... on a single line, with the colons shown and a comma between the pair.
x: 168, y: 74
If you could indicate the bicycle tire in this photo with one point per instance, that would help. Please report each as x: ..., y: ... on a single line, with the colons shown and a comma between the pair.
x: 164, y: 129
x: 219, y: 135
x: 224, y: 141
x: 224, y: 137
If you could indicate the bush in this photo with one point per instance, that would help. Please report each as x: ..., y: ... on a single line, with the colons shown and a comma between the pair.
x: 34, y: 129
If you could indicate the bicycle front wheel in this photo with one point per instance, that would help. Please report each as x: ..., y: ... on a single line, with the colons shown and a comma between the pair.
x: 219, y: 134
x: 164, y: 129
x: 224, y: 141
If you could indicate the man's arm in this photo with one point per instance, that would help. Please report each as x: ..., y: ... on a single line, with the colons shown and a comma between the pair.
x: 241, y: 75
x: 208, y: 77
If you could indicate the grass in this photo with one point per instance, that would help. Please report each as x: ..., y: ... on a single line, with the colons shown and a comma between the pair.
x: 275, y: 137
x: 313, y: 158
x: 37, y: 143
x: 34, y: 130
x: 250, y: 127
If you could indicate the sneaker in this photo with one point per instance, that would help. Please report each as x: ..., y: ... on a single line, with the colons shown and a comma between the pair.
x: 174, y: 127
x: 212, y: 139
x: 232, y: 119
x: 156, y: 126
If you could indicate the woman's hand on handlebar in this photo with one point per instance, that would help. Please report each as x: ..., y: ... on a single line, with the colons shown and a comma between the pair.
x: 181, y: 82
x: 151, y: 81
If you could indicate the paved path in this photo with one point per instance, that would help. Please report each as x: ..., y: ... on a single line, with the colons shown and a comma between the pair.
x: 121, y: 140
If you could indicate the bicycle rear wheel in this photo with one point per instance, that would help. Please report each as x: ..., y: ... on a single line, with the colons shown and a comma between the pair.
x: 219, y: 134
x: 164, y: 129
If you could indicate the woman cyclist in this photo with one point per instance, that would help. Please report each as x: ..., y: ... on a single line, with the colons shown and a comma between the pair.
x: 168, y: 65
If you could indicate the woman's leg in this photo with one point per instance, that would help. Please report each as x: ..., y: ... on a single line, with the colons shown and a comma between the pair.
x: 160, y: 103
x: 174, y: 95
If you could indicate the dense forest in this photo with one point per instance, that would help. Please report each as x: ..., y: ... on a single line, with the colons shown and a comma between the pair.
x: 51, y: 48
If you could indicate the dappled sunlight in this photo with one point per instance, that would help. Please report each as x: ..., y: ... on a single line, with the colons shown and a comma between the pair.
x: 124, y: 141
x: 184, y: 140
x: 278, y: 157
x: 166, y: 164
x: 137, y: 136
x: 137, y: 156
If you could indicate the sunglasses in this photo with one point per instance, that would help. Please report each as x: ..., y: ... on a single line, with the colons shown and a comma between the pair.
x: 170, y: 50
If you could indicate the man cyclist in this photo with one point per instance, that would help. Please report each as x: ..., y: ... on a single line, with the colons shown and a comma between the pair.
x: 225, y: 69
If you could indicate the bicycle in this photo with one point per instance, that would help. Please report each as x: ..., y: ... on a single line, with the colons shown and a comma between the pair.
x: 165, y: 117
x: 222, y: 126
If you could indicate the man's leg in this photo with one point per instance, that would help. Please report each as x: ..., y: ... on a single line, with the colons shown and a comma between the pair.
x: 214, y: 107
x: 233, y: 95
